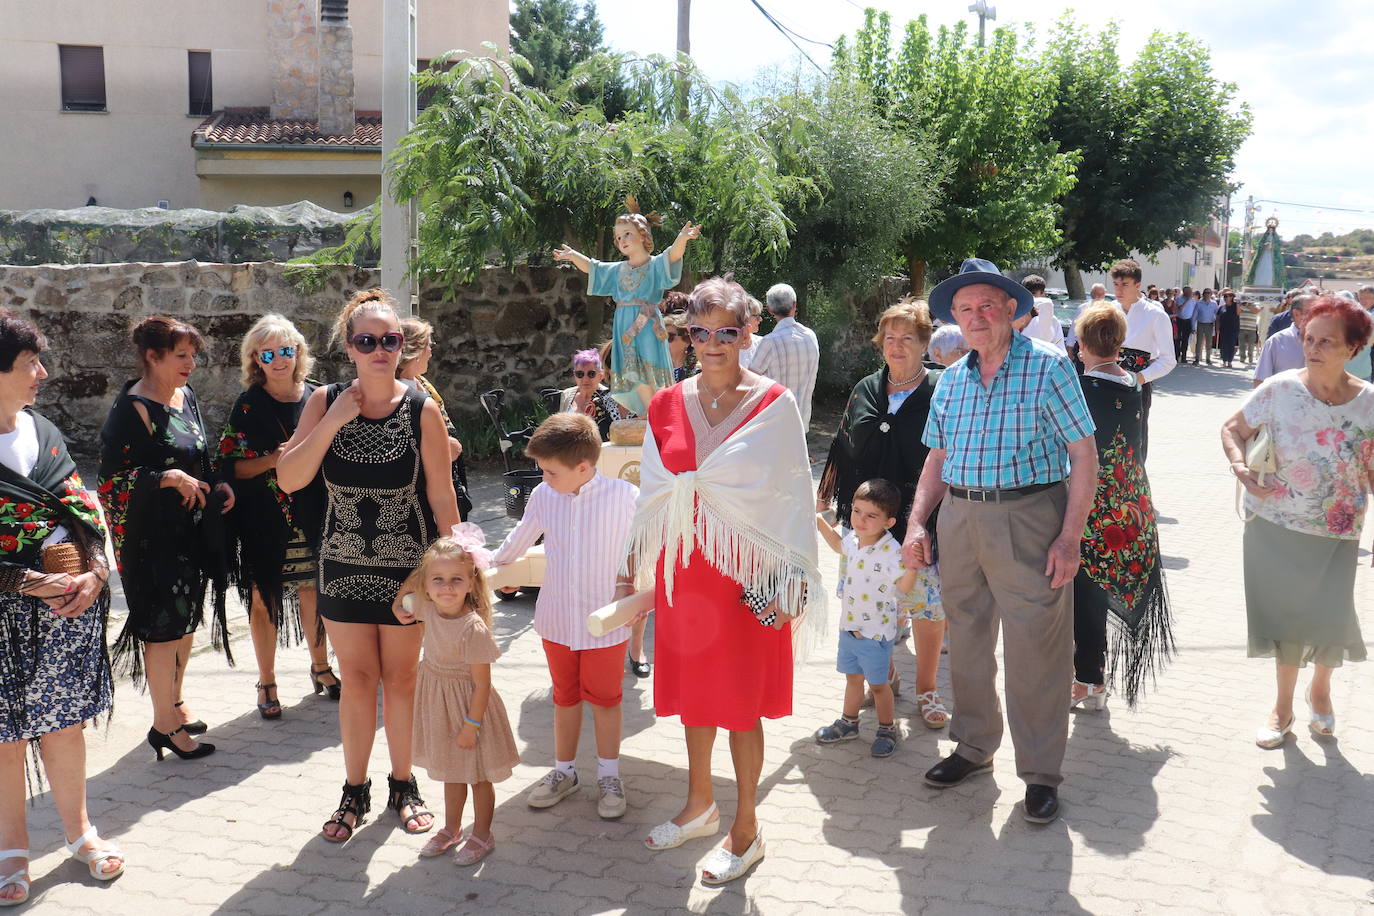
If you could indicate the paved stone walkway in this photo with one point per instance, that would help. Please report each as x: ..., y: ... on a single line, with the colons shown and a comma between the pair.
x: 1170, y: 809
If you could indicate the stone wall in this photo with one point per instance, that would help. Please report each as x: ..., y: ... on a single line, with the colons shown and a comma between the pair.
x: 510, y: 329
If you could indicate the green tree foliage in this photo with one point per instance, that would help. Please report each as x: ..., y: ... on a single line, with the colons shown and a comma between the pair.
x: 983, y: 109
x: 1157, y: 142
x: 876, y: 186
x: 503, y: 171
x: 554, y: 36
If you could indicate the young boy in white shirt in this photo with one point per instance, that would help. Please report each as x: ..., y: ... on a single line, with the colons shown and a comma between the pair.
x: 876, y: 592
x: 584, y: 518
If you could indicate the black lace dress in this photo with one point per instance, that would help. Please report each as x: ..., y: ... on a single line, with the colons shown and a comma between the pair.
x: 377, y: 519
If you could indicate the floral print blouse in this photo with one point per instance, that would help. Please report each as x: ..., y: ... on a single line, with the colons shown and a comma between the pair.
x: 1325, y: 456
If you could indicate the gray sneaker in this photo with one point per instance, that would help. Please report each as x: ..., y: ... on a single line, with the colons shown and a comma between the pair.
x: 552, y: 789
x: 611, y: 804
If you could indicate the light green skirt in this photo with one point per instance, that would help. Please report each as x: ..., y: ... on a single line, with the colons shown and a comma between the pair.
x: 1300, y: 596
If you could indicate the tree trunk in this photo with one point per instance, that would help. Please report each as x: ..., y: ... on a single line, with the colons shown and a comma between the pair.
x: 916, y: 272
x: 1073, y: 281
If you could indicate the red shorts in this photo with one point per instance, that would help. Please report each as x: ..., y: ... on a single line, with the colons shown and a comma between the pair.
x: 594, y: 675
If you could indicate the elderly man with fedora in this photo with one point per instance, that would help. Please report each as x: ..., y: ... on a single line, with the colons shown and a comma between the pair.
x: 1008, y: 428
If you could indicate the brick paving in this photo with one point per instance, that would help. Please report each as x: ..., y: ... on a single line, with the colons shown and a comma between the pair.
x: 1170, y: 809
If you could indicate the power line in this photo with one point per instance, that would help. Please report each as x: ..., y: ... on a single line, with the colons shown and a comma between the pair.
x: 788, y: 33
x: 1289, y: 203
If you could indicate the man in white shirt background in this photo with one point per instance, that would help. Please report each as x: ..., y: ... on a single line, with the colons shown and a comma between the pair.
x: 1043, y: 323
x: 790, y: 355
x: 1148, y: 350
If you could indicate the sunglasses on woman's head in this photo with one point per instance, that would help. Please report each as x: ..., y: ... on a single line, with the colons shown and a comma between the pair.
x: 586, y: 373
x: 724, y: 336
x: 284, y: 352
x: 366, y: 343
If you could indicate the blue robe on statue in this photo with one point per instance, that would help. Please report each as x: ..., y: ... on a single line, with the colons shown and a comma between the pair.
x: 642, y: 365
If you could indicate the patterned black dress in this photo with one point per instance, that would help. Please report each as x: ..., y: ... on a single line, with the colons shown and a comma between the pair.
x: 168, y: 555
x: 377, y: 519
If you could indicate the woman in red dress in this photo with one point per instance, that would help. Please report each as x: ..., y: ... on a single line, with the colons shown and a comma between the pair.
x: 723, y: 511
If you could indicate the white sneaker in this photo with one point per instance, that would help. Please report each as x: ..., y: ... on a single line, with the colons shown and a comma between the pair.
x: 611, y: 804
x: 553, y: 788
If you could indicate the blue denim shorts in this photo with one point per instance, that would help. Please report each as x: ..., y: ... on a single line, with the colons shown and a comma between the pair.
x: 869, y: 657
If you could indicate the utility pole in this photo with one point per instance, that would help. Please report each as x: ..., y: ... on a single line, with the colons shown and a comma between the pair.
x: 684, y: 26
x: 398, y: 118
x: 1245, y: 238
x: 984, y: 13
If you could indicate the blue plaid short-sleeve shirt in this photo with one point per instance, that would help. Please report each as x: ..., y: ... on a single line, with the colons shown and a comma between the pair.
x: 1015, y: 432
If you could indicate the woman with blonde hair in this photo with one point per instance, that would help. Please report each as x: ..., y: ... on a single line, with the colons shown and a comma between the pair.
x: 275, y: 535
x: 880, y: 437
x: 415, y: 356
x: 383, y: 452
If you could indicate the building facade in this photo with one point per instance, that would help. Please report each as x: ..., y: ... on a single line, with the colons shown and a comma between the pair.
x: 1199, y: 264
x: 205, y: 103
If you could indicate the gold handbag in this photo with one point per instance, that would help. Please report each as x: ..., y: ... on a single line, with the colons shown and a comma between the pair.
x: 1261, y: 458
x: 63, y: 558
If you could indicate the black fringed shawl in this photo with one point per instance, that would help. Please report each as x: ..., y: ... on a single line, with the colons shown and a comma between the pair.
x: 874, y: 443
x: 264, y: 517
x: 156, y: 539
x: 1121, y: 542
x: 31, y: 508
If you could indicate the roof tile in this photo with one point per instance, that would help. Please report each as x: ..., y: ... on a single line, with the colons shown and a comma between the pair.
x: 252, y: 126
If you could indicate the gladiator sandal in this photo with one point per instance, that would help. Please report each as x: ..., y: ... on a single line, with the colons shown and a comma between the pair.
x: 405, y: 793
x: 357, y: 801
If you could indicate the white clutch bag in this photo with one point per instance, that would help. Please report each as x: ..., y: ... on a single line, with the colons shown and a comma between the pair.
x: 1261, y: 458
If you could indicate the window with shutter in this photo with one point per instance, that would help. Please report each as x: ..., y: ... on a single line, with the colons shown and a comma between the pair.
x: 201, y: 85
x: 83, y: 77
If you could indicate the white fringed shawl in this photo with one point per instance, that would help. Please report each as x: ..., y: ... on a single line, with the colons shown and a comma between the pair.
x: 754, y: 516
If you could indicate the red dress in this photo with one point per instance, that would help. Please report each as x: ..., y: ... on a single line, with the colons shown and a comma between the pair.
x: 714, y: 664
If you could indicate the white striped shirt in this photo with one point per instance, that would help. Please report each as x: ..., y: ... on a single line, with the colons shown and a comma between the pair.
x: 585, y: 537
x: 790, y: 355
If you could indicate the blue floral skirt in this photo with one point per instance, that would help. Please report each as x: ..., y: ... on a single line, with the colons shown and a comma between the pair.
x: 54, y: 671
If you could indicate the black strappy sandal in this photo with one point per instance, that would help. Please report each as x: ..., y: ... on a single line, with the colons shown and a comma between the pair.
x: 357, y: 801
x: 197, y: 727
x: 332, y: 690
x: 272, y: 708
x: 405, y: 792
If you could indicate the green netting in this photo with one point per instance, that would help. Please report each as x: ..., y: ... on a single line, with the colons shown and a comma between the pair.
x: 104, y: 235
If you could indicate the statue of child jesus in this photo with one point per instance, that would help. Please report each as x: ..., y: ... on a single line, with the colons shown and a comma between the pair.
x: 640, y: 363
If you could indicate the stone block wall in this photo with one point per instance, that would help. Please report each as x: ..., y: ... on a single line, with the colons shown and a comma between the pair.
x: 294, y: 50
x: 515, y: 330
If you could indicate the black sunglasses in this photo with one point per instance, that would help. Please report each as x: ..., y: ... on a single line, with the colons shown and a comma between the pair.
x: 587, y: 373
x: 725, y: 336
x: 391, y: 341
x: 284, y: 352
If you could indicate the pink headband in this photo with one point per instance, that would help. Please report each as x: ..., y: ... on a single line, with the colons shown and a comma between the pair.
x: 470, y: 538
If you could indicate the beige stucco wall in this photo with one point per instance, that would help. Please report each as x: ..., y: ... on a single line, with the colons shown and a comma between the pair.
x: 139, y: 152
x: 222, y: 192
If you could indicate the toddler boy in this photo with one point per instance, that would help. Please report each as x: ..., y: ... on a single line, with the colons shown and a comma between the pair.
x: 873, y: 588
x: 584, y: 519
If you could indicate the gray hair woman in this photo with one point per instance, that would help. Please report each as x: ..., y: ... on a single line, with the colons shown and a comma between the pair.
x: 1302, y: 540
x: 723, y: 643
x: 588, y: 395
x: 56, y: 674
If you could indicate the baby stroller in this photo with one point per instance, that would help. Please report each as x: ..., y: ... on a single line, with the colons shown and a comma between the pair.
x: 518, y: 482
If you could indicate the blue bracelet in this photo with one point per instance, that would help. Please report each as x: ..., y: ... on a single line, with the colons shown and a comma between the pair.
x: 473, y: 722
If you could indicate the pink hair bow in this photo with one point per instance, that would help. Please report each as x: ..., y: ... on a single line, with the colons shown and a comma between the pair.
x: 471, y: 539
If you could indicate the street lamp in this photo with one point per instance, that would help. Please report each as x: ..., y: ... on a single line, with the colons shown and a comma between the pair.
x: 984, y: 13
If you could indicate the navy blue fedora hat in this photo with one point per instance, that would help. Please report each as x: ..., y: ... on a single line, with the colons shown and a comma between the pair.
x: 972, y: 271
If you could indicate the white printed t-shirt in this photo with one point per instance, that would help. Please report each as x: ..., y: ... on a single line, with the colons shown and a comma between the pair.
x: 869, y: 601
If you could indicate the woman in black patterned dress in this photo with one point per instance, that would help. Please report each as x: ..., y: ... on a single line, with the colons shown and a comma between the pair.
x: 275, y: 534
x: 384, y: 454
x: 163, y: 500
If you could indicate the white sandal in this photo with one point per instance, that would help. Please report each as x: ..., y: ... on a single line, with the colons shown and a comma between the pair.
x: 722, y: 867
x: 930, y: 705
x: 96, y: 857
x: 670, y: 836
x: 19, y: 878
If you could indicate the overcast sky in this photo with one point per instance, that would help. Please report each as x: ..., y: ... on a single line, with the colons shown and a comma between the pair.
x: 1305, y: 68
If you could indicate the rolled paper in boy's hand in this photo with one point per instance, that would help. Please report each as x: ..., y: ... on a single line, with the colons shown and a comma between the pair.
x: 619, y: 613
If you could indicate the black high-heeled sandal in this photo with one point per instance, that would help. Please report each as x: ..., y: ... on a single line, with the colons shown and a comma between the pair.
x: 405, y: 792
x: 272, y: 708
x: 192, y: 728
x: 332, y: 689
x: 160, y: 741
x: 357, y: 801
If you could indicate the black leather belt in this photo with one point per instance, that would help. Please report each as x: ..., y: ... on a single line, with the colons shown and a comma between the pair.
x: 975, y: 495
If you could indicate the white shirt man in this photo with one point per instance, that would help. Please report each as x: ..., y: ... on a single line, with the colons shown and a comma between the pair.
x: 791, y: 354
x: 1149, y: 332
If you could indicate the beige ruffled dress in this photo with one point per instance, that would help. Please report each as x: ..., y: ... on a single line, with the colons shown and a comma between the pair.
x: 443, y: 695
